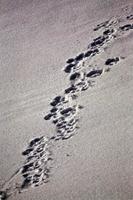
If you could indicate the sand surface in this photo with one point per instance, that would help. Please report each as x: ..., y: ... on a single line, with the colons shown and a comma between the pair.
x: 91, y: 156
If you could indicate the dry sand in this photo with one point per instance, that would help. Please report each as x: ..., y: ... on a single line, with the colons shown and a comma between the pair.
x: 37, y: 38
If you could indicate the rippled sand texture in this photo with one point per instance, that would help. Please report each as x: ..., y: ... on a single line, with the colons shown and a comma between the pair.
x: 66, y: 100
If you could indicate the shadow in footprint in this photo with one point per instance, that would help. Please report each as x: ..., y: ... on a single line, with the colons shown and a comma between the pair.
x: 74, y: 76
x: 69, y: 67
x: 48, y: 116
x: 108, y: 32
x: 126, y: 27
x: 70, y: 60
x: 103, y: 24
x: 94, y: 73
x: 79, y: 57
x: 71, y: 89
x: 111, y: 61
x: 99, y: 41
x: 57, y: 100
x: 130, y: 17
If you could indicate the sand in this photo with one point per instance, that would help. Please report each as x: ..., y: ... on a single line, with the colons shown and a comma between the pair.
x: 83, y: 148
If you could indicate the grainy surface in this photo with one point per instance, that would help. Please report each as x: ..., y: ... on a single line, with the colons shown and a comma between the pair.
x: 37, y: 38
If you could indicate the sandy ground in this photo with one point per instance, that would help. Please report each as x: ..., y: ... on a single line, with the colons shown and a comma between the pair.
x: 36, y: 38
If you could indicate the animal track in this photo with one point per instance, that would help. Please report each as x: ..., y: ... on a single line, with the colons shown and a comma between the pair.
x: 101, y: 25
x: 69, y: 68
x: 99, y: 41
x: 130, y: 17
x: 70, y: 60
x: 111, y: 61
x: 94, y: 73
x: 79, y: 57
x: 36, y: 170
x: 74, y: 76
x: 64, y: 112
x: 58, y: 100
x: 106, y: 24
x: 126, y: 27
x: 62, y: 118
x: 108, y: 31
x: 71, y: 89
x: 75, y: 64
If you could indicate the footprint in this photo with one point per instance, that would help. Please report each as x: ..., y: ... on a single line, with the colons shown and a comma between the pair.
x: 54, y: 110
x: 71, y: 89
x: 35, y: 141
x: 66, y: 123
x: 36, y: 168
x: 91, y: 52
x: 70, y: 60
x: 79, y: 57
x: 26, y: 183
x: 111, y: 61
x: 126, y: 27
x: 37, y: 160
x: 99, y: 41
x: 108, y: 31
x: 74, y: 76
x: 27, y: 151
x: 70, y: 131
x: 67, y: 131
x: 57, y: 100
x: 82, y: 85
x: 69, y: 68
x: 88, y: 53
x: 48, y: 116
x: 94, y: 73
x: 130, y: 17
x: 27, y: 168
x: 68, y: 111
x: 101, y: 25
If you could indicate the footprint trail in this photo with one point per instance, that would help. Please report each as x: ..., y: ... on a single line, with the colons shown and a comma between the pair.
x: 65, y: 109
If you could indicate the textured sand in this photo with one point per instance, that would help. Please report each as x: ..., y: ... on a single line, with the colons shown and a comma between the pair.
x: 37, y: 37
